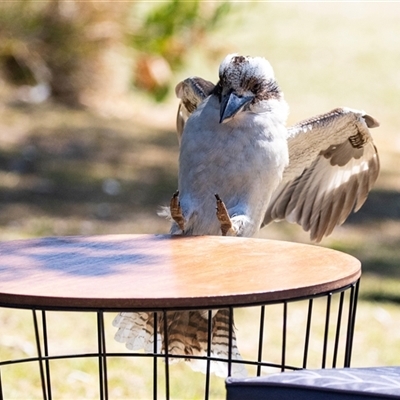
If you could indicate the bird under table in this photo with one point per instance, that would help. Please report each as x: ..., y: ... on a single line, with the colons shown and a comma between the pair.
x: 258, y: 281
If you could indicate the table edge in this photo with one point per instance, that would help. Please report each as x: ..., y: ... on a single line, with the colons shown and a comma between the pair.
x: 160, y: 304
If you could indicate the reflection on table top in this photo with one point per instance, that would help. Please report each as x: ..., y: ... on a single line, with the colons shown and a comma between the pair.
x: 159, y: 271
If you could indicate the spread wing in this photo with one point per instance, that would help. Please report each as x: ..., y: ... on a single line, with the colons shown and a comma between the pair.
x: 192, y: 91
x: 333, y: 165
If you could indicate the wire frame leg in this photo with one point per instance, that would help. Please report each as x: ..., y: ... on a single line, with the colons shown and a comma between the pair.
x: 155, y: 352
x: 260, y: 340
x: 208, y: 362
x: 103, y: 380
x: 308, y: 333
x: 351, y: 322
x: 326, y: 331
x: 46, y: 395
x: 46, y: 353
x: 1, y: 388
x: 230, y: 341
x: 166, y: 357
x: 284, y: 329
x: 338, y: 326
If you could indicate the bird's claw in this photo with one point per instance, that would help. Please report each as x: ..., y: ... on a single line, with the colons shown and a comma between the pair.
x: 176, y: 211
x: 223, y: 217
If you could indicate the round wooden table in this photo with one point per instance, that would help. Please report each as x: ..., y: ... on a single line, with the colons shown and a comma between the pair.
x: 160, y: 273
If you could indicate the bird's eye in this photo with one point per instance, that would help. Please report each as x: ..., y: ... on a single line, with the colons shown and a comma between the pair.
x: 256, y: 87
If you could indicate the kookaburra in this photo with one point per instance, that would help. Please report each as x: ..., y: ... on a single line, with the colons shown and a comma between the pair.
x: 238, y: 155
x: 234, y: 143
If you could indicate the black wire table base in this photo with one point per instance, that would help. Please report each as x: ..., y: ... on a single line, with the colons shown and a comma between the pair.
x: 336, y: 316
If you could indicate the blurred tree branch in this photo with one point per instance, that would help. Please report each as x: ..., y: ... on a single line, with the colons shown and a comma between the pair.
x: 164, y: 35
x: 75, y: 51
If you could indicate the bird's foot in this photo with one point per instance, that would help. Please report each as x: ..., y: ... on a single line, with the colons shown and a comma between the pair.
x: 224, y: 219
x: 176, y: 211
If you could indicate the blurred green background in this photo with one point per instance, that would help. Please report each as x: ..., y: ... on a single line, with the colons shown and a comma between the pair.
x: 87, y: 114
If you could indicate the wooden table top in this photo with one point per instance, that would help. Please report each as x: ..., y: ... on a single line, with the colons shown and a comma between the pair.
x: 159, y: 271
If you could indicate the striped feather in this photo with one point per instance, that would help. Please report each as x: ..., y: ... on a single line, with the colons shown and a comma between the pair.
x: 187, y: 336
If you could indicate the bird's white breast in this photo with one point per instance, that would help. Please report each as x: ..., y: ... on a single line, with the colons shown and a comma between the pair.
x: 241, y: 160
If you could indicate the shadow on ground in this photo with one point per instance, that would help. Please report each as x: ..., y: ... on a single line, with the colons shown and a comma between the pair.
x: 87, y: 167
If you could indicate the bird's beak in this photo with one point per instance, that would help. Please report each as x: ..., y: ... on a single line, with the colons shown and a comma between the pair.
x: 231, y: 104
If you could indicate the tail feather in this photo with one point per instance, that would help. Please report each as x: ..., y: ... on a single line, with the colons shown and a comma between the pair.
x: 136, y: 330
x: 220, y: 346
x: 187, y: 335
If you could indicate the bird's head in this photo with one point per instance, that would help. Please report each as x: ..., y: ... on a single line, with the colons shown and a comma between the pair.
x: 245, y: 83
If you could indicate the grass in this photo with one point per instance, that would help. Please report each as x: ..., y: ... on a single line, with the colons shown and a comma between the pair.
x: 67, y: 172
